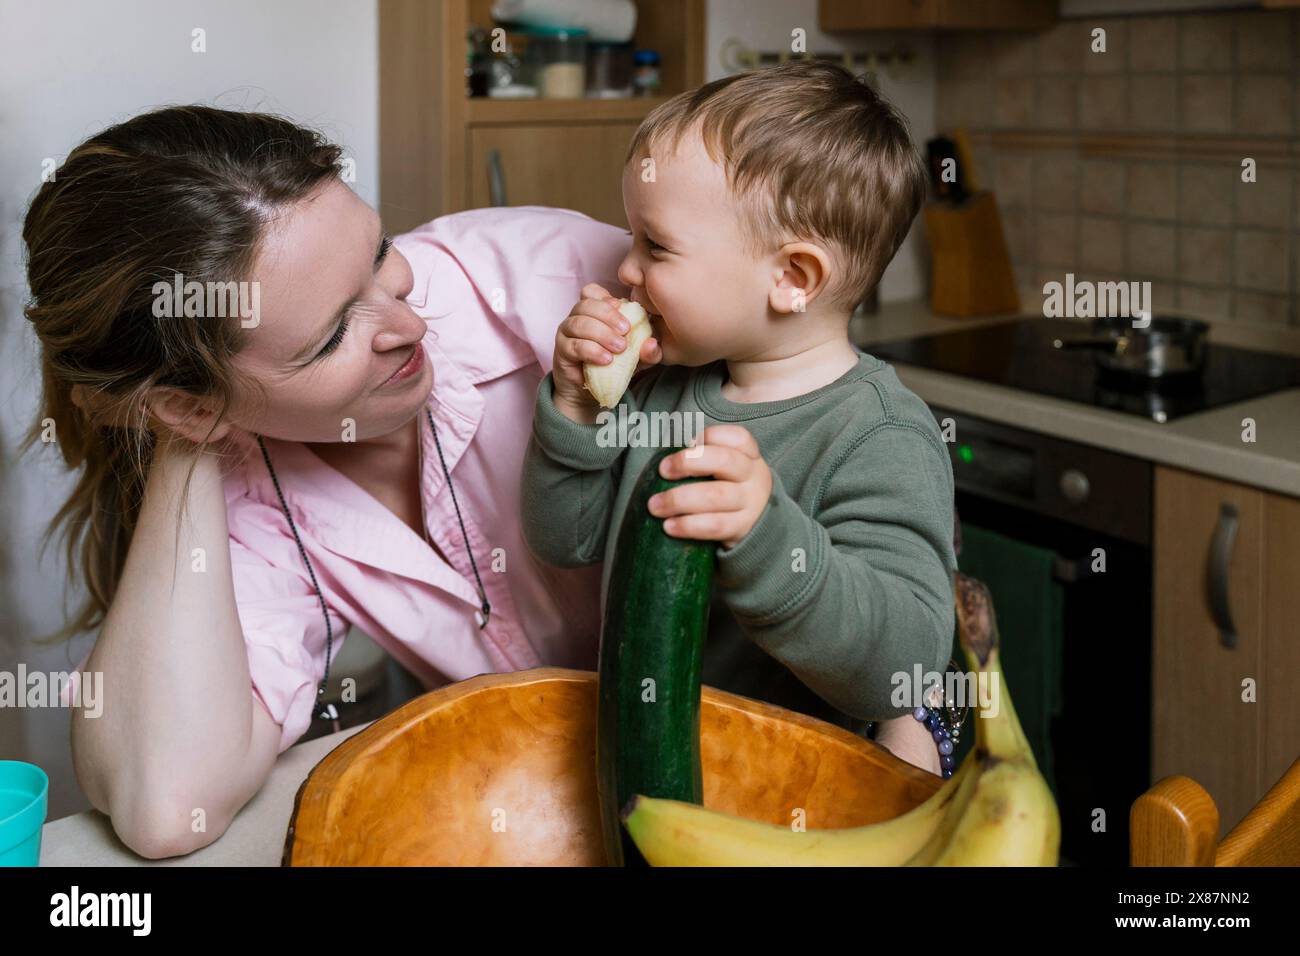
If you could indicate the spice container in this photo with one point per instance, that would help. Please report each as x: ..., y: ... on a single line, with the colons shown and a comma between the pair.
x: 557, y: 60
x: 609, y: 70
x: 645, y: 73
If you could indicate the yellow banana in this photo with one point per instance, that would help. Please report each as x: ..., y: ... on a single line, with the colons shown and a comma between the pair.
x: 995, y: 810
x: 1009, y: 818
x: 676, y: 833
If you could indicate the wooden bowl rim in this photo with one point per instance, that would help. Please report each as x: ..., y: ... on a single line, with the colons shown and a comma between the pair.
x: 312, y: 804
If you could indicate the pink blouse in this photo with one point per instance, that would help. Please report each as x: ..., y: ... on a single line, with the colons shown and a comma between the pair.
x: 493, y: 285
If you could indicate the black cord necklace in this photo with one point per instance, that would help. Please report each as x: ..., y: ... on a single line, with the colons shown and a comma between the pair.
x: 329, y: 711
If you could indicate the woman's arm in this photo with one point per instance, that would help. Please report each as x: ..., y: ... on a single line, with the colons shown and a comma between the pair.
x: 906, y: 738
x: 181, y: 743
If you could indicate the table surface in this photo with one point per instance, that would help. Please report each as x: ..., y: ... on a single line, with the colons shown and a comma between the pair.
x: 254, y: 838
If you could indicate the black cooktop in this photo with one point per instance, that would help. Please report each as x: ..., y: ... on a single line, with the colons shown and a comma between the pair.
x: 1019, y: 354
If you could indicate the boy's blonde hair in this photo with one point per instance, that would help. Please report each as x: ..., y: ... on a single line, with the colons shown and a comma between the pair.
x: 811, y: 152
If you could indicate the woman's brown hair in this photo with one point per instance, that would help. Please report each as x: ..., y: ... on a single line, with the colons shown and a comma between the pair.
x: 185, y: 189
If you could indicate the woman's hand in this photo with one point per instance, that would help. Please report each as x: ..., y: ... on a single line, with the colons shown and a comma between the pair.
x: 593, y: 332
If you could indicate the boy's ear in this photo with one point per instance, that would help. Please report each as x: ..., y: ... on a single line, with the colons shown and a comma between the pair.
x: 805, y: 271
x: 185, y: 414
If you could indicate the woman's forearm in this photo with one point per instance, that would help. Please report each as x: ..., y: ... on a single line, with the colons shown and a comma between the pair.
x: 906, y: 738
x: 179, y: 745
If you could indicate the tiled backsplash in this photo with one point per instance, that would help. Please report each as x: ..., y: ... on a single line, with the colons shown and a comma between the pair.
x: 1127, y: 164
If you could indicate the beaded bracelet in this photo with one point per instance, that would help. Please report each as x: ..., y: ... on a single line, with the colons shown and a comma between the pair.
x: 946, y: 733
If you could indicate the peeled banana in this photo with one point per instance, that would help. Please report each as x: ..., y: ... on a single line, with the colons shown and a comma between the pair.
x: 996, y: 810
x: 607, y: 383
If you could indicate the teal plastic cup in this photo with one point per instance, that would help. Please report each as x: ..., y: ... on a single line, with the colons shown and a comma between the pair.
x: 24, y: 801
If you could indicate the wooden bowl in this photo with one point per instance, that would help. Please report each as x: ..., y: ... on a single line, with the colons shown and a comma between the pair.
x: 500, y: 770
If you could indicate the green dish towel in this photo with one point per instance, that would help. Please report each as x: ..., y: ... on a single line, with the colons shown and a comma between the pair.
x: 1028, y: 603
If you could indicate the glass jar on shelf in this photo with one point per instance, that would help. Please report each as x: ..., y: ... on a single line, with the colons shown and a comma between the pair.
x: 557, y: 61
x: 645, y: 73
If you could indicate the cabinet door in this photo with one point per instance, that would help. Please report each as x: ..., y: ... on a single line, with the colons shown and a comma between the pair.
x: 570, y: 166
x: 1280, y: 685
x: 1201, y: 727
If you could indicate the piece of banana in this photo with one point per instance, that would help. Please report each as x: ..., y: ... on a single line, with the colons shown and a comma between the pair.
x: 995, y: 810
x: 676, y: 833
x: 607, y: 383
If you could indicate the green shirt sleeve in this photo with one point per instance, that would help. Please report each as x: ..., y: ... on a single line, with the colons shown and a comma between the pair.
x: 864, y: 592
x: 568, y: 486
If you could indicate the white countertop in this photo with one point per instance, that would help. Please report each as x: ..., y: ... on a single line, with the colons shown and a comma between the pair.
x: 1206, y: 442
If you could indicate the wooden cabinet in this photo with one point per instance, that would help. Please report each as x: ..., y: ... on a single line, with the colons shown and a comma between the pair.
x: 850, y: 15
x: 435, y: 142
x: 1246, y: 543
x: 573, y: 167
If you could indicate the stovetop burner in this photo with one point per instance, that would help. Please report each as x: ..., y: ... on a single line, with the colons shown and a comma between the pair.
x: 1019, y: 354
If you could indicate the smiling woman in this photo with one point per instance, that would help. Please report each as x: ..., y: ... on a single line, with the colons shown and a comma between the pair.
x: 247, y: 490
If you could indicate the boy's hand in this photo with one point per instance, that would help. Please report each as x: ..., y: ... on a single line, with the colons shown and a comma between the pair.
x: 592, y: 331
x: 723, y: 510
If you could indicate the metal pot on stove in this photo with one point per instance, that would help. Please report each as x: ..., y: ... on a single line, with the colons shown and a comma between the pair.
x: 1169, y: 347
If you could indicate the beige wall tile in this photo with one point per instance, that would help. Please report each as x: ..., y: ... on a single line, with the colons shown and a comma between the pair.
x: 968, y: 55
x: 1015, y: 178
x: 1153, y: 101
x: 1057, y: 102
x: 1015, y: 103
x: 964, y: 102
x: 1205, y: 193
x: 1015, y: 227
x: 1061, y: 48
x: 1204, y: 255
x: 1163, y: 297
x: 1153, y: 190
x: 1264, y: 104
x: 1205, y: 102
x: 1295, y: 213
x: 1114, y: 60
x: 1153, y: 44
x: 1261, y: 260
x: 1267, y: 201
x: 1101, y: 243
x: 1257, y: 307
x: 1013, y: 54
x: 1056, y: 183
x: 1205, y: 42
x: 1202, y: 302
x: 1054, y: 239
x: 1263, y: 40
x: 1103, y: 189
x: 1103, y: 103
x: 1150, y: 250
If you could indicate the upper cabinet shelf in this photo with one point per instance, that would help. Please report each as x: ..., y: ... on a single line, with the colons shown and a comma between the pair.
x: 839, y: 16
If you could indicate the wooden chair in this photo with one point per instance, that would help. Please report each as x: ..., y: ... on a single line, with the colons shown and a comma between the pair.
x: 1176, y: 823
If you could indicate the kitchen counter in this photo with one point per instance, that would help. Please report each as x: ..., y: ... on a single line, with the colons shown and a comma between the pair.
x: 1206, y: 442
x: 254, y: 838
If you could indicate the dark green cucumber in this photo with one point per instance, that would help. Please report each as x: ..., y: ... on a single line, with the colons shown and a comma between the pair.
x: 656, y: 618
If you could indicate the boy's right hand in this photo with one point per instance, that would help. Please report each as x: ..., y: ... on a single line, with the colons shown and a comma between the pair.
x: 593, y: 332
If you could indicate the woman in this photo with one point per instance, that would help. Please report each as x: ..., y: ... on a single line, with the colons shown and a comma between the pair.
x: 334, y: 438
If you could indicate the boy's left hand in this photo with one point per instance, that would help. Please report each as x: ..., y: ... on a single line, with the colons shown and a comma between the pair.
x: 722, y: 510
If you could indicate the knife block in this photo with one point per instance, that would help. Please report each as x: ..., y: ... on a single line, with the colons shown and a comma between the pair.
x: 971, y: 268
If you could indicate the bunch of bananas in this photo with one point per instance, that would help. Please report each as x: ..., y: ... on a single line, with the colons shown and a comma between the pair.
x: 996, y: 810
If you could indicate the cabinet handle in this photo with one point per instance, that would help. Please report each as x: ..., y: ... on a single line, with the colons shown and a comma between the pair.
x: 496, y: 178
x: 1225, y: 533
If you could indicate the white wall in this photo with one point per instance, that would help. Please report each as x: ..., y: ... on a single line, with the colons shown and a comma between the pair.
x: 765, y: 25
x: 69, y: 68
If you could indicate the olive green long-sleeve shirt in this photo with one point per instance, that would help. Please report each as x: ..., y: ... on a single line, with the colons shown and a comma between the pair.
x: 844, y: 581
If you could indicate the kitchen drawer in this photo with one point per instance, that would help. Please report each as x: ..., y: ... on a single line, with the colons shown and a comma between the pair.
x: 568, y: 166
